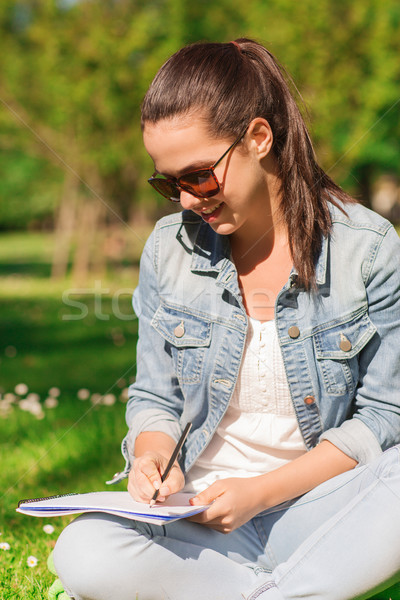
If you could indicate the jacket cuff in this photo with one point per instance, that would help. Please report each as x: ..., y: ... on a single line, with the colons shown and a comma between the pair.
x: 152, y: 419
x: 355, y: 439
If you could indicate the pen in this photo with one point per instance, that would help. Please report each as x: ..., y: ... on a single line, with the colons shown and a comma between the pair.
x: 172, y: 460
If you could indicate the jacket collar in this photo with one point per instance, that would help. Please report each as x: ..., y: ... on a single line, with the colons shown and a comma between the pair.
x: 211, y: 251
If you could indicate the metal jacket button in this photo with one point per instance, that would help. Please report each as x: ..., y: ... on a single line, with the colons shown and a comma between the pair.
x: 179, y: 330
x: 345, y: 344
x: 309, y: 400
x: 294, y: 332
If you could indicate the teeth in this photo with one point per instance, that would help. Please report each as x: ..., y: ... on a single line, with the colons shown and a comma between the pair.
x: 208, y: 211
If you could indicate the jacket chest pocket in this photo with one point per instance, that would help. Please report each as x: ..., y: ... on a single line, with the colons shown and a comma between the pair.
x: 187, y: 337
x: 337, y: 348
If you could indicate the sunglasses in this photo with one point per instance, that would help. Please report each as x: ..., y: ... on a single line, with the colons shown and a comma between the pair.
x: 201, y: 183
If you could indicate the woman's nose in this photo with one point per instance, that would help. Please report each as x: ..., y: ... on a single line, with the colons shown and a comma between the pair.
x: 189, y: 202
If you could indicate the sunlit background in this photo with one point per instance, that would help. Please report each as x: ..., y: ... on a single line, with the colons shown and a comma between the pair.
x: 75, y: 208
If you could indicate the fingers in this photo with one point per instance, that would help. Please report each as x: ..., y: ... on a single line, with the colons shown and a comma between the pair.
x: 173, y: 483
x: 206, y: 496
x: 145, y: 478
x: 213, y: 519
x: 219, y: 515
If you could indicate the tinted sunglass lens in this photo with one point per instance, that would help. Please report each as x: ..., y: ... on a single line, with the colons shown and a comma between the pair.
x: 166, y: 188
x: 200, y: 183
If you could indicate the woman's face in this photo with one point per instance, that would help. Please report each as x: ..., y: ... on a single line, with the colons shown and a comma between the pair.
x: 180, y: 145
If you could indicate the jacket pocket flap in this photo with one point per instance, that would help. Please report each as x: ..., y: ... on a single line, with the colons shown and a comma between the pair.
x: 182, y: 328
x: 344, y: 340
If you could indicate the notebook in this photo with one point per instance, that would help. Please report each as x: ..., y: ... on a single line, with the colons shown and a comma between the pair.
x: 116, y: 503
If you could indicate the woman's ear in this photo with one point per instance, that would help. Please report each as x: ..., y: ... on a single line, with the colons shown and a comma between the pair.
x: 260, y: 137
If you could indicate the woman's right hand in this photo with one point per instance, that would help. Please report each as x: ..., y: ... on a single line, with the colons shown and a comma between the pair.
x: 145, y: 478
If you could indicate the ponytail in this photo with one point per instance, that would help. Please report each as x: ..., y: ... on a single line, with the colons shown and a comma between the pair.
x: 231, y: 84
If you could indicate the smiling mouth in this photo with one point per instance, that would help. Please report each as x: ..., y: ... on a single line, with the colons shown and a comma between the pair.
x: 208, y: 211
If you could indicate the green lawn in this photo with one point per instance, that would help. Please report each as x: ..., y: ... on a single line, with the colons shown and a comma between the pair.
x: 47, y: 341
x: 74, y: 448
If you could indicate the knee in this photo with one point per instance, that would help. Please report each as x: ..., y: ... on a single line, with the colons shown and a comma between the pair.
x: 75, y: 559
x: 101, y: 556
x: 83, y: 559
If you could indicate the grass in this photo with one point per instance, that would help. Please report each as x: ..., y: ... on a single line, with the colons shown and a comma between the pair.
x: 74, y: 448
x: 48, y: 340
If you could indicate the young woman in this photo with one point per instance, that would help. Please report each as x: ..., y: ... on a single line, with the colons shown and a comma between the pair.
x: 269, y: 317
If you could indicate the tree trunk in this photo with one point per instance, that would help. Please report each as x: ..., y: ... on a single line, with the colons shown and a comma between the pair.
x: 65, y: 226
x: 89, y: 247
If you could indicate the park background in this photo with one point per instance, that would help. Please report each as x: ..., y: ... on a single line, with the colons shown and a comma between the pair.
x: 75, y: 208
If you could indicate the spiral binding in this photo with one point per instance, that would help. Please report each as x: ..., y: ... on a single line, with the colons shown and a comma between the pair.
x: 28, y: 500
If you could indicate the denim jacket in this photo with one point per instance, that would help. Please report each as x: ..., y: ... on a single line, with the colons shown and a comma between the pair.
x: 340, y: 343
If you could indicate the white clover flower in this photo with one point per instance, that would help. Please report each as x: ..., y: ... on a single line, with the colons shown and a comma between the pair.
x: 54, y: 391
x: 83, y: 394
x: 33, y: 397
x: 10, y: 351
x: 96, y: 399
x: 109, y: 399
x: 35, y: 408
x: 48, y: 528
x: 5, y: 410
x: 124, y: 395
x: 31, y: 561
x: 25, y: 404
x: 51, y: 402
x: 4, y: 546
x: 21, y: 389
x: 9, y: 397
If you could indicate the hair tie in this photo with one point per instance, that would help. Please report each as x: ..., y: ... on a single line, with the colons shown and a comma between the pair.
x: 237, y: 46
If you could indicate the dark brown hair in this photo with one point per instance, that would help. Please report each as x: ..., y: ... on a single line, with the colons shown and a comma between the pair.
x: 232, y: 84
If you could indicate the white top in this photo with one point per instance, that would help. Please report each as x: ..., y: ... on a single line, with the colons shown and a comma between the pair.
x: 259, y: 431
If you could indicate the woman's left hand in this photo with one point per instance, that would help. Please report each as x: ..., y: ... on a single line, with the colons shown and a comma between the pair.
x: 234, y: 502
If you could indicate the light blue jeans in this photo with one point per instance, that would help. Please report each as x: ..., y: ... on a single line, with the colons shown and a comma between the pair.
x: 340, y: 541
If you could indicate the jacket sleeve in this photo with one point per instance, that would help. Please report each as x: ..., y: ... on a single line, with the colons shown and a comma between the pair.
x: 155, y: 399
x: 375, y: 424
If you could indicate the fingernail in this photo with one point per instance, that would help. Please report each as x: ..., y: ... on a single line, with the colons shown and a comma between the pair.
x: 156, y: 485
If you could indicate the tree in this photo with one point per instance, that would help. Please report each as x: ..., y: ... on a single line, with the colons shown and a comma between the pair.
x: 75, y: 74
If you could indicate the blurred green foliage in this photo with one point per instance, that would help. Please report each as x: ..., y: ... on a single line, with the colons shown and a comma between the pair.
x: 74, y: 73
x: 28, y: 189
